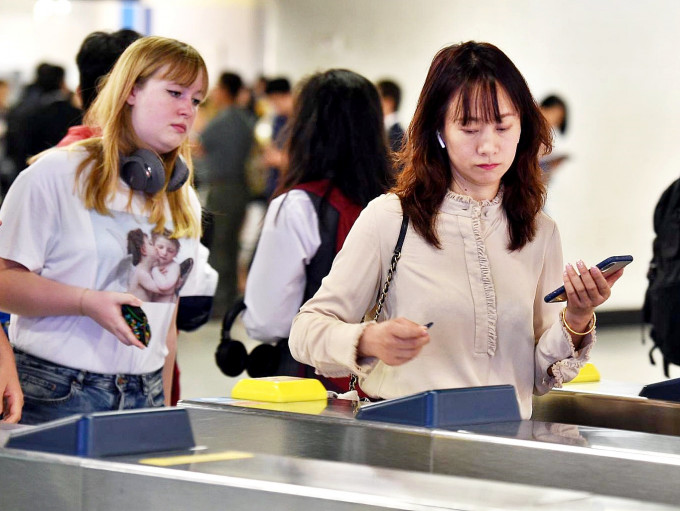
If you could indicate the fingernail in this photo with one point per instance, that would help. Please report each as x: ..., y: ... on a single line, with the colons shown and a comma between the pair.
x: 581, y: 263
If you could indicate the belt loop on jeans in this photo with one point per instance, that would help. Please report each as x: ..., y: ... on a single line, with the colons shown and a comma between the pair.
x: 143, y: 384
x: 144, y: 381
x: 147, y: 378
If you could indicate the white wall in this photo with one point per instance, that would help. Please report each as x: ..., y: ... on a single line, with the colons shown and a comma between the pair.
x: 25, y: 41
x: 615, y: 62
x: 228, y: 33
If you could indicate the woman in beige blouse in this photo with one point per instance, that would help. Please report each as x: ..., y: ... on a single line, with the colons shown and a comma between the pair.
x: 478, y: 257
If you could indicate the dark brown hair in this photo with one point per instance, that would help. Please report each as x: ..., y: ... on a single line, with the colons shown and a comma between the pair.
x: 337, y: 133
x: 472, y: 73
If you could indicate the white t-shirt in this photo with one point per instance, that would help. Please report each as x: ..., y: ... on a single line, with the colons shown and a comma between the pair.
x: 47, y: 229
x: 276, y: 280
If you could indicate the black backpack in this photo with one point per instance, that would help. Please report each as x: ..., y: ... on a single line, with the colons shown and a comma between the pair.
x: 661, y: 308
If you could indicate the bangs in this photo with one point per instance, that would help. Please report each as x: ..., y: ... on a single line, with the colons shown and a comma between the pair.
x: 185, y: 71
x: 477, y: 102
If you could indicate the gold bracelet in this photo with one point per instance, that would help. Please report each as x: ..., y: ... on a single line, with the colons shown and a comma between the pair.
x: 80, y: 305
x: 571, y: 330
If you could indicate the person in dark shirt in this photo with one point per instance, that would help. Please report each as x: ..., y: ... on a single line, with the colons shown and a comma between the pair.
x: 390, y: 97
x: 47, y: 124
x: 98, y: 53
x: 280, y: 96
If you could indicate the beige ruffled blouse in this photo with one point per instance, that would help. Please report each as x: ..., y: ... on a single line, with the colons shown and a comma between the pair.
x: 490, y: 323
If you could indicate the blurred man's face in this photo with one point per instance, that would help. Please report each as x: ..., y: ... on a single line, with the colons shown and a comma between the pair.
x: 4, y: 94
x: 387, y: 105
x: 282, y: 102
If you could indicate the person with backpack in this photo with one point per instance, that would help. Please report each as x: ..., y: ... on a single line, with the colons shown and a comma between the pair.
x: 462, y: 301
x: 337, y: 162
x: 661, y: 308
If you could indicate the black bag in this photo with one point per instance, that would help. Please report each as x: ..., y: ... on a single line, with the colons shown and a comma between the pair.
x: 661, y: 308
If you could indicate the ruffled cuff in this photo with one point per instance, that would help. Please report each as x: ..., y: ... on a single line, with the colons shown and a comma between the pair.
x: 567, y: 369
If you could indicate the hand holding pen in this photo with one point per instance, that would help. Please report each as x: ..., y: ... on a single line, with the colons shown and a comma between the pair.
x: 395, y: 341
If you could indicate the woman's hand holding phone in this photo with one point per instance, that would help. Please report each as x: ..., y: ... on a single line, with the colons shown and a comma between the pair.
x: 104, y: 307
x: 586, y: 291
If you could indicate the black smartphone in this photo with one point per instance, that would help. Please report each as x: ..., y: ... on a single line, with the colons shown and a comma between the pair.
x: 609, y: 265
x: 139, y: 323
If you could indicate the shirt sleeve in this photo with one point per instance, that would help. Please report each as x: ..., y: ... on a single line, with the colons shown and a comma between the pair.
x: 554, y: 347
x: 30, y: 219
x: 202, y: 280
x: 326, y: 332
x: 276, y: 281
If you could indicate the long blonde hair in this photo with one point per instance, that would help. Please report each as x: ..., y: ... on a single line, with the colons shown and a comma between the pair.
x: 112, y: 115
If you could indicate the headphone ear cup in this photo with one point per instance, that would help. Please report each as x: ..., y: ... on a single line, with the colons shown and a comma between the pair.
x: 231, y: 357
x: 179, y: 176
x: 263, y: 361
x: 143, y: 171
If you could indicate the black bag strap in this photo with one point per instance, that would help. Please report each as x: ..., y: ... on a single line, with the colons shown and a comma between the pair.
x: 396, y: 255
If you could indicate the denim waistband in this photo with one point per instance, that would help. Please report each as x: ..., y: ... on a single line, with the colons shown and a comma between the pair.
x: 103, y: 381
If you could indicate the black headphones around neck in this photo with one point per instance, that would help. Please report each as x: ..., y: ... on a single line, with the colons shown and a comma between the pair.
x: 144, y: 171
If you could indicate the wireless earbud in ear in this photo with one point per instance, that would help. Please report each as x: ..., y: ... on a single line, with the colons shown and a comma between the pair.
x: 441, y: 140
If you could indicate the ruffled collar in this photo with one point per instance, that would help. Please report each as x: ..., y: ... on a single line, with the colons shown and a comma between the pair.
x: 455, y: 202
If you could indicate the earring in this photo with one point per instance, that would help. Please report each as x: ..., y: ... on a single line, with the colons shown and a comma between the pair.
x: 441, y: 141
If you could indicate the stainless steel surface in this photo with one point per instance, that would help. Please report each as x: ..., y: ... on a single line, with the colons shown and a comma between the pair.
x: 31, y: 481
x: 332, y: 435
x: 619, y: 463
x: 608, y: 405
x: 320, y: 457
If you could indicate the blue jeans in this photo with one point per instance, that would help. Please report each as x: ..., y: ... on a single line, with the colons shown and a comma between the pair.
x: 52, y: 391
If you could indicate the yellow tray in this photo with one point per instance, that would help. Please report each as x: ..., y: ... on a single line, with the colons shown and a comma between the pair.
x: 279, y: 389
x: 588, y: 373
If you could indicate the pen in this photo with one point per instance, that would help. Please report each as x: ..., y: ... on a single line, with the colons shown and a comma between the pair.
x: 428, y: 325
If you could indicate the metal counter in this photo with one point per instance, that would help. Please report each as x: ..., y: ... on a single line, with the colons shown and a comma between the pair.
x: 33, y: 481
x: 609, y: 462
x: 608, y: 404
x: 319, y: 457
x: 264, y: 459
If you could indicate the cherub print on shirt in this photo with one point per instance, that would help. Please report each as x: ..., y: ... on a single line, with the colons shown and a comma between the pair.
x: 136, y: 260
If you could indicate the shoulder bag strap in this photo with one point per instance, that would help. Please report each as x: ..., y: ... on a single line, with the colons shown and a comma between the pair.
x: 386, y: 287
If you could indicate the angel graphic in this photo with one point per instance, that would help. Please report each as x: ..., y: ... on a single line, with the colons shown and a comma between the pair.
x: 168, y: 275
x: 149, y: 270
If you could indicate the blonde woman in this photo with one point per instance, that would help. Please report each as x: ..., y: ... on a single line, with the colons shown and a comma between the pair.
x: 64, y: 271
